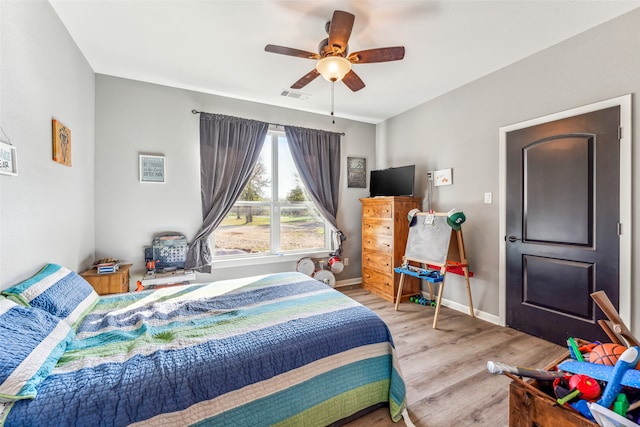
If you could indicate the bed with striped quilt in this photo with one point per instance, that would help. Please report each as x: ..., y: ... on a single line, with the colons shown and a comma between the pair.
x: 281, y: 349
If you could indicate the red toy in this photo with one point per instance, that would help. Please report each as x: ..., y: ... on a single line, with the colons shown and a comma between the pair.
x: 588, y: 387
x: 579, y: 386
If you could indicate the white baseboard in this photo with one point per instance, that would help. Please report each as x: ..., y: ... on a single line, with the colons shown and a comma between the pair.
x: 349, y: 282
x: 491, y: 318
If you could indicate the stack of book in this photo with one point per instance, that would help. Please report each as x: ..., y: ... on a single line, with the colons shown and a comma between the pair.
x: 105, y: 266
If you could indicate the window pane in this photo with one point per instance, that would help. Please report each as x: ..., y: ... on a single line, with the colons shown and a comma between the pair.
x: 259, y: 186
x: 290, y: 188
x: 245, y: 230
x: 300, y: 228
x: 248, y: 227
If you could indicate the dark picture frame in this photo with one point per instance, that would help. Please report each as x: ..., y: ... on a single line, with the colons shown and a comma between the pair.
x: 356, y: 172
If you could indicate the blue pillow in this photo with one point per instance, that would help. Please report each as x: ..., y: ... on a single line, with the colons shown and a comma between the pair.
x: 32, y: 343
x: 56, y: 290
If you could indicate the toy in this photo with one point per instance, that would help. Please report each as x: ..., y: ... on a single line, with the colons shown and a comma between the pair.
x: 615, y: 377
x: 419, y: 299
x: 582, y: 386
x: 540, y: 374
x: 621, y: 405
x: 628, y: 360
x: 631, y: 378
x: 606, y: 417
x: 574, y: 350
x: 606, y: 354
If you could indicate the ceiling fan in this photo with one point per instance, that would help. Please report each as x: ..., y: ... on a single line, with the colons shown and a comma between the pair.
x: 334, y: 60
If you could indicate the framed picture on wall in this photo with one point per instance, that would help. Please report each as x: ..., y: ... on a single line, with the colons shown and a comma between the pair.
x: 61, y: 138
x: 356, y: 172
x: 152, y: 169
x: 8, y: 159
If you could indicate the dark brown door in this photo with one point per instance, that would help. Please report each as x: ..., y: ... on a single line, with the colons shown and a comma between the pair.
x: 562, y: 225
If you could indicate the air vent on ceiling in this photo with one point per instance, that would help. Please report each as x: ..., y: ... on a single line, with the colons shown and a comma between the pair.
x: 293, y: 94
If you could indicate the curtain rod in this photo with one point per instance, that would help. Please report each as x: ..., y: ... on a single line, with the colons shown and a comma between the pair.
x: 272, y: 124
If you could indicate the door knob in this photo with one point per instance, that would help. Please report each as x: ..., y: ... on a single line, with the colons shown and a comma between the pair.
x: 512, y: 239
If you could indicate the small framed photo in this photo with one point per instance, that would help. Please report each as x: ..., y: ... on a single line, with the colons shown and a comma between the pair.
x: 8, y: 159
x: 152, y: 169
x: 61, y: 138
x: 443, y: 177
x: 356, y: 172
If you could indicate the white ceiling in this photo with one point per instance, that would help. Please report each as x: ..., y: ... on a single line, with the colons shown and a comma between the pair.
x: 217, y: 46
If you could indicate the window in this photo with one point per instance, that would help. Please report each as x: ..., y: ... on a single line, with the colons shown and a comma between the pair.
x: 273, y: 215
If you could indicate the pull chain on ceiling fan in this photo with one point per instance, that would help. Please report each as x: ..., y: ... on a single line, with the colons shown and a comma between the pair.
x: 334, y: 62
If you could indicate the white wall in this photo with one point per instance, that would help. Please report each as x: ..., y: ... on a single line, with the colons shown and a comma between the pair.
x: 47, y: 211
x: 459, y: 130
x: 134, y: 117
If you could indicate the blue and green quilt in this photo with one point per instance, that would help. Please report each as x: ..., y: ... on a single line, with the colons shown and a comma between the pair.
x: 282, y: 349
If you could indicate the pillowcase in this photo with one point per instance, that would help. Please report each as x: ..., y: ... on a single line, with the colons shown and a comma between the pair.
x: 33, y: 341
x: 56, y: 290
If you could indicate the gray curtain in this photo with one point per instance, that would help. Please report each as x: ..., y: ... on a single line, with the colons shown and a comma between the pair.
x: 229, y: 150
x: 316, y: 154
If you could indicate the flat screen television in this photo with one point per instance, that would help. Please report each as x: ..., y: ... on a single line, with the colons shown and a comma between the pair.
x: 392, y: 181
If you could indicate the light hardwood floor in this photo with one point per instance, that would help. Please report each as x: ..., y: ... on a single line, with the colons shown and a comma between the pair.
x: 445, y: 369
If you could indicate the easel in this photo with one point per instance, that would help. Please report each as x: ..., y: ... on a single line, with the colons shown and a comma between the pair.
x: 455, y: 259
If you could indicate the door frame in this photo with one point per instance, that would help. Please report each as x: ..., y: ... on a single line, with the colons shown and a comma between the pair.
x: 625, y: 197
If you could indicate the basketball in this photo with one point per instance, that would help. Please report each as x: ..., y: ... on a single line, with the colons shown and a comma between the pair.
x: 606, y: 354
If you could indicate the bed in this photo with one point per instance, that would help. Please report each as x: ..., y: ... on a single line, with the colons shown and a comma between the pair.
x: 281, y: 349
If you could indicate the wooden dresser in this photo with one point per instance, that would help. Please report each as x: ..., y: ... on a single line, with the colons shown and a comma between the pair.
x: 385, y: 228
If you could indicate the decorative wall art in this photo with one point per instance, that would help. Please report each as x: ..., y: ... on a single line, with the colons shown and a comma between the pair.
x: 8, y: 159
x: 61, y: 143
x: 151, y: 169
x: 443, y: 177
x: 356, y: 172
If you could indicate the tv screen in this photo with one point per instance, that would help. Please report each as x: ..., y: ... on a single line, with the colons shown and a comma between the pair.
x: 392, y: 181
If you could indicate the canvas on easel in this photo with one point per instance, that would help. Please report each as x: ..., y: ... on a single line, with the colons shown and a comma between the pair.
x: 433, y: 243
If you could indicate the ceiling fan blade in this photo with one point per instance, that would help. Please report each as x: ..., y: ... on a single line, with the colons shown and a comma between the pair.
x: 340, y: 30
x: 382, y: 54
x: 306, y: 79
x: 353, y: 81
x: 282, y: 50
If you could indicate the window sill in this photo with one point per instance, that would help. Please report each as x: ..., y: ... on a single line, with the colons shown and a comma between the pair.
x: 267, y: 259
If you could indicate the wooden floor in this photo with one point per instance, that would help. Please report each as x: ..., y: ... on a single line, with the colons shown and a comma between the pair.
x: 445, y: 369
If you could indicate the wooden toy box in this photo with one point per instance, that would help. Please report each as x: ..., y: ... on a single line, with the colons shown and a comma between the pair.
x: 530, y: 406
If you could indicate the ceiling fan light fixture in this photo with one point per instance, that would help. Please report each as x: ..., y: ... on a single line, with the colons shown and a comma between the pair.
x: 333, y: 68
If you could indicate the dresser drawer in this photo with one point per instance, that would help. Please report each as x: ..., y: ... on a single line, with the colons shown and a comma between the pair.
x: 377, y: 210
x: 374, y: 242
x: 377, y: 282
x: 378, y: 227
x: 377, y: 261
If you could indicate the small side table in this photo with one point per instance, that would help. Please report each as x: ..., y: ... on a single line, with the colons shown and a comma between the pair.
x: 109, y: 283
